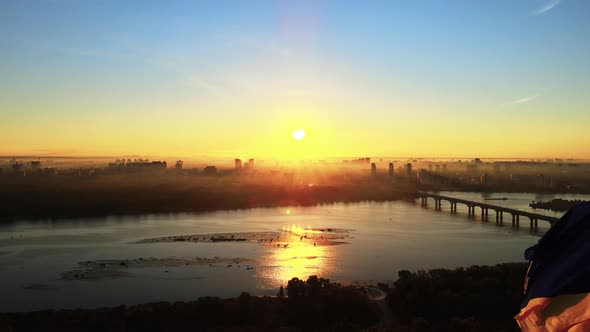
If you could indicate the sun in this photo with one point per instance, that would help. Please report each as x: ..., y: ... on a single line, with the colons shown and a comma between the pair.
x: 298, y: 134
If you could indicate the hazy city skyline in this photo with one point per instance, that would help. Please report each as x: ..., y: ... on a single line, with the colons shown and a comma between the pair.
x: 422, y: 79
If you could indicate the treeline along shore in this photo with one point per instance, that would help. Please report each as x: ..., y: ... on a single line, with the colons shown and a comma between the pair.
x: 119, y: 195
x: 478, y: 298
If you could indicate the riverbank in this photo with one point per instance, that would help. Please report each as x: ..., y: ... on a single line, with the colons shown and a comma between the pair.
x: 121, y: 195
x: 478, y: 298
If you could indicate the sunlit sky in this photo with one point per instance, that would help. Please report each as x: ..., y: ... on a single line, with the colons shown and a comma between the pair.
x: 236, y: 78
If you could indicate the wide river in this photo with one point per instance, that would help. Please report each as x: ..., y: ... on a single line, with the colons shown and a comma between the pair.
x: 368, y: 241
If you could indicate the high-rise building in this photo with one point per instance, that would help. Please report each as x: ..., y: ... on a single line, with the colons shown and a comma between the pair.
x: 390, y: 169
x: 179, y: 164
x: 409, y: 169
x: 210, y: 171
x: 483, y: 178
x: 423, y: 176
x: 238, y: 164
x: 373, y: 169
x: 251, y: 163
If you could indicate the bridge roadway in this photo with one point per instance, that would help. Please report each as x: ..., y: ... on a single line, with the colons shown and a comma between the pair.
x: 471, y: 205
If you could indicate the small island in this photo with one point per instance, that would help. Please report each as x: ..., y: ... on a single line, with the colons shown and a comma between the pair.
x: 557, y: 205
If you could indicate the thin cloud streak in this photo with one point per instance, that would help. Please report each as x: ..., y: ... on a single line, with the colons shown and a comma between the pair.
x: 522, y: 100
x: 546, y: 8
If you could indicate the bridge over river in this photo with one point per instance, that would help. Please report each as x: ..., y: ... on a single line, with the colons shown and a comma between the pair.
x: 484, y: 207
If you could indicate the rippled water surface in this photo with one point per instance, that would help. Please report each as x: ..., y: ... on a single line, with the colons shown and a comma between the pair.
x: 378, y: 240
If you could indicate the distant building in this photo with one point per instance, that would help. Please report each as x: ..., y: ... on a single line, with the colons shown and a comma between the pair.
x: 251, y: 162
x: 357, y: 161
x: 373, y: 169
x: 483, y: 179
x: 18, y: 167
x: 36, y: 165
x: 238, y: 164
x: 367, y: 160
x: 143, y: 166
x: 409, y: 169
x: 210, y: 171
x: 390, y: 169
x: 50, y: 171
x: 178, y: 165
x: 422, y: 176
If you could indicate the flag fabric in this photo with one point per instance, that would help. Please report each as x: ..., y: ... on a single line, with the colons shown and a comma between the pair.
x: 557, y: 284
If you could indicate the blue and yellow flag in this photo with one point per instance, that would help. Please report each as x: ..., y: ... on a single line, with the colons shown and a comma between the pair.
x: 557, y: 285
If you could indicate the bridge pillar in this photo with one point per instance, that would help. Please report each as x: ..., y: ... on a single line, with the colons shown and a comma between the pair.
x: 513, y: 220
x: 501, y: 217
x: 497, y: 216
x: 517, y: 221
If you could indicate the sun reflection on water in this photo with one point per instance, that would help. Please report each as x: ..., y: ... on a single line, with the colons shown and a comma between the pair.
x: 300, y: 252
